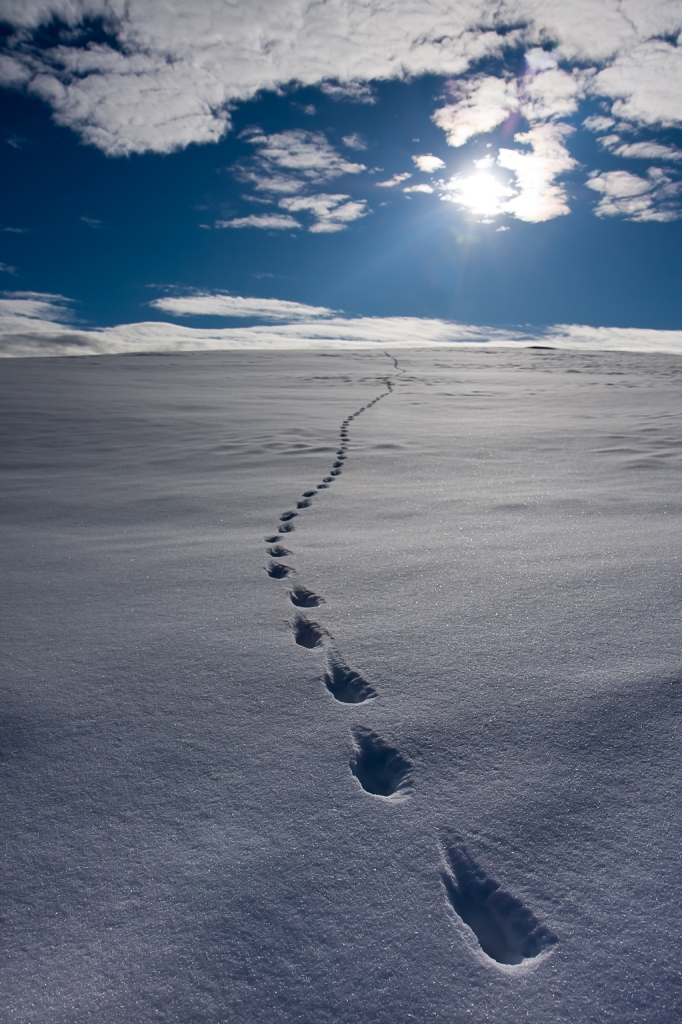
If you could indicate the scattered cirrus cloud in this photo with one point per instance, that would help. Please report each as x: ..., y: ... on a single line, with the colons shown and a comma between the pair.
x: 285, y: 168
x: 332, y: 213
x: 654, y: 198
x: 5, y: 268
x: 354, y: 91
x: 223, y: 304
x: 298, y: 156
x: 266, y: 221
x: 397, y: 179
x: 354, y: 141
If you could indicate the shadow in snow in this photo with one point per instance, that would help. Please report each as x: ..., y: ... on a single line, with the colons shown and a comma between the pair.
x: 304, y: 598
x: 345, y: 685
x: 507, y: 931
x: 306, y: 633
x: 380, y: 769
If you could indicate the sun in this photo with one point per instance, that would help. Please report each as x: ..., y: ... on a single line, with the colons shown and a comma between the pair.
x: 482, y: 193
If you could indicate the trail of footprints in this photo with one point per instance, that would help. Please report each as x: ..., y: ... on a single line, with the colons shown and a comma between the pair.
x: 507, y: 931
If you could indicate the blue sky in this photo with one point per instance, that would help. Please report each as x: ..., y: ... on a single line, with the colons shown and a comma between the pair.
x: 448, y: 162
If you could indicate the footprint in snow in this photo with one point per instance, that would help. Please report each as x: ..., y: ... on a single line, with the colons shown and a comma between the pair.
x: 278, y: 551
x: 308, y: 634
x: 379, y: 768
x: 346, y: 685
x: 507, y: 931
x: 279, y: 571
x: 304, y: 598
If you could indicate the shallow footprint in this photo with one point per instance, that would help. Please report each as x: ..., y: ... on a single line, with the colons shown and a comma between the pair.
x: 507, y: 931
x: 345, y: 685
x: 308, y: 634
x: 379, y: 768
x: 308, y: 494
x: 286, y: 528
x: 278, y: 571
x: 304, y: 598
x: 304, y: 503
x: 286, y: 516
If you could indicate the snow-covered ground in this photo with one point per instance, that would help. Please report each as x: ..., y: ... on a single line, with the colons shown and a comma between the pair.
x: 472, y: 744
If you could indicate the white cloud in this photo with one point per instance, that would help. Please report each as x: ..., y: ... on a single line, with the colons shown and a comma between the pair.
x: 12, y: 72
x: 308, y: 154
x: 32, y: 324
x: 6, y: 269
x: 641, y: 150
x: 355, y: 92
x: 546, y: 91
x: 598, y: 123
x: 428, y: 163
x: 539, y: 196
x: 354, y: 141
x: 221, y: 304
x: 332, y: 213
x: 179, y: 66
x: 481, y: 105
x: 645, y: 82
x: 419, y: 188
x: 395, y: 180
x: 268, y: 221
x: 654, y: 198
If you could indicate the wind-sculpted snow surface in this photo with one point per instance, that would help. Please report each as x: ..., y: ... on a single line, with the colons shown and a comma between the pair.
x: 456, y: 800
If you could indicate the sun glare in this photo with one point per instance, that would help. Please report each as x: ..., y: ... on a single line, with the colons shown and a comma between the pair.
x: 482, y: 193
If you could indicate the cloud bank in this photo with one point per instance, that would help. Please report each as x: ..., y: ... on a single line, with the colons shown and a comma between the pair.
x: 156, y: 75
x: 34, y: 324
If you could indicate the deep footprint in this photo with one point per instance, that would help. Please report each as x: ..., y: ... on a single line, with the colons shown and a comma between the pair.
x: 304, y: 598
x: 286, y: 516
x: 278, y: 551
x: 287, y: 528
x: 308, y: 634
x: 345, y: 685
x: 278, y: 571
x: 379, y: 768
x: 304, y: 503
x: 507, y: 931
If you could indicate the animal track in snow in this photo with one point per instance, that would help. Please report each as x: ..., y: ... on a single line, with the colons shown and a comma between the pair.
x: 379, y: 768
x: 304, y: 598
x: 287, y: 516
x: 308, y: 494
x: 507, y: 931
x: 304, y: 503
x: 278, y: 551
x: 272, y: 540
x: 345, y: 685
x: 286, y: 528
x: 279, y: 571
x: 308, y: 634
